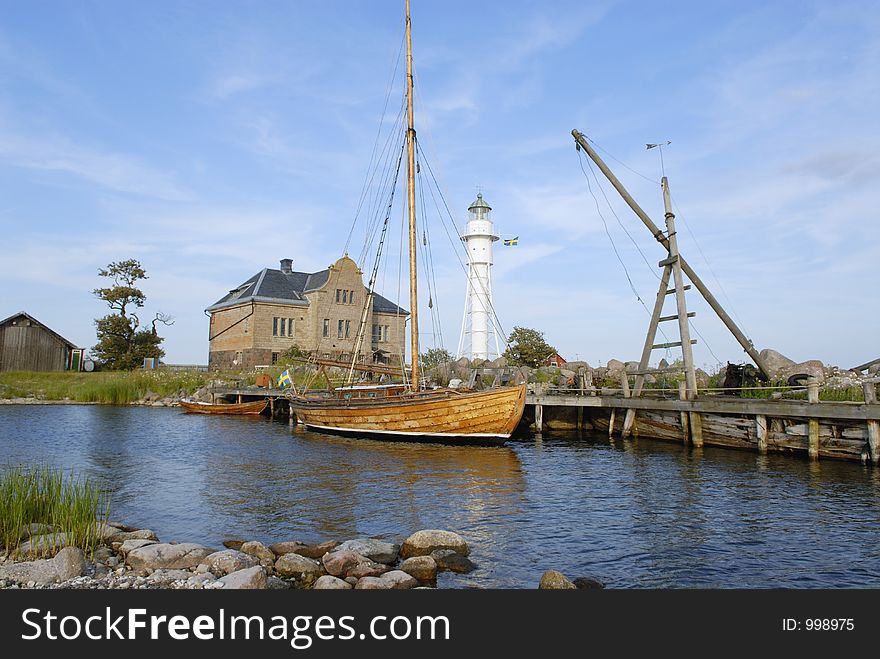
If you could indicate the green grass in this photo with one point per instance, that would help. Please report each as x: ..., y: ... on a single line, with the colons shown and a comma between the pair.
x: 43, y: 495
x: 114, y: 387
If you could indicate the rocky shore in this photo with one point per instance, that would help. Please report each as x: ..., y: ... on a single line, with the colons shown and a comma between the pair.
x: 130, y: 558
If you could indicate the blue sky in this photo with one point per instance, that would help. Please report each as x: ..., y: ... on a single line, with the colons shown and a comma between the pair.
x: 211, y: 139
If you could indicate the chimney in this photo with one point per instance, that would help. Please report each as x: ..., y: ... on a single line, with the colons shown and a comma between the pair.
x: 286, y: 266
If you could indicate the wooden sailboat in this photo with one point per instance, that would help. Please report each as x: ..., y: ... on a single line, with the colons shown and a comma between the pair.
x: 397, y: 412
x: 250, y: 408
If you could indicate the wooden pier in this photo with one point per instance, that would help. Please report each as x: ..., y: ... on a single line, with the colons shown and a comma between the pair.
x: 817, y: 429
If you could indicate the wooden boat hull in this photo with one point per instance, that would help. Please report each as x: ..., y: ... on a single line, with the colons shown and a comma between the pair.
x: 443, y: 415
x: 250, y: 408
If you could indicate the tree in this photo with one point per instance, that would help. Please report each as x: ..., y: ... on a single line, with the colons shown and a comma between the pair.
x: 435, y: 357
x: 122, y: 343
x: 527, y: 347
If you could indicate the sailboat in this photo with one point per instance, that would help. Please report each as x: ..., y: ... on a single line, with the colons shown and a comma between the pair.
x: 410, y: 413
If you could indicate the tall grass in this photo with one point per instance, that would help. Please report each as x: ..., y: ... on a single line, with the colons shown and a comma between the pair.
x: 117, y: 388
x: 43, y: 495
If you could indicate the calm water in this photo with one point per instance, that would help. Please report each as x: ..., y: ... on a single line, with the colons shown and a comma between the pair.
x: 632, y: 513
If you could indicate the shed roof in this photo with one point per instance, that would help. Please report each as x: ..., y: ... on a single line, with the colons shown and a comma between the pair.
x: 20, y: 314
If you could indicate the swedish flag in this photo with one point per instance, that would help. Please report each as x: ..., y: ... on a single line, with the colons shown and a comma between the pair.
x: 284, y: 380
x: 511, y: 241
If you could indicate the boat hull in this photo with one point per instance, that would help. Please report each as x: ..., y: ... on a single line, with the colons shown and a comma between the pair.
x: 479, y: 417
x: 253, y: 408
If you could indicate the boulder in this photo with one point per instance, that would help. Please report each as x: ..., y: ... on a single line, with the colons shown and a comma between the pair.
x: 70, y: 562
x: 41, y: 545
x: 318, y: 550
x: 304, y: 570
x: 775, y: 361
x: 800, y: 373
x: 375, y: 550
x: 372, y: 583
x: 422, y: 543
x: 586, y: 583
x: 399, y: 580
x: 328, y: 582
x: 229, y: 561
x: 288, y: 547
x: 615, y: 366
x: 261, y: 552
x: 34, y: 529
x: 423, y: 568
x: 347, y: 563
x: 130, y: 545
x: 451, y: 561
x: 553, y: 580
x: 276, y: 583
x: 252, y: 578
x: 233, y: 543
x: 109, y: 533
x: 165, y: 555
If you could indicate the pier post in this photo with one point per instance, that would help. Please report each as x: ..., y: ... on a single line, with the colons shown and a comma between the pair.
x: 685, y: 422
x: 271, y: 408
x: 630, y: 416
x: 611, y: 423
x: 539, y: 418
x: 761, y: 431
x: 696, y: 429
x: 873, y: 424
x: 813, y: 424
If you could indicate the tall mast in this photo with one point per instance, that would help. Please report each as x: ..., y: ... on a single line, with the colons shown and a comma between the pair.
x: 411, y: 204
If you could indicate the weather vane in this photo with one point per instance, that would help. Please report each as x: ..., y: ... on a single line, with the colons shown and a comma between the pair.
x: 660, y: 146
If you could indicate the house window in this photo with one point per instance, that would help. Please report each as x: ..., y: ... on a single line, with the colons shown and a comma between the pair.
x: 274, y: 327
x: 339, y: 329
x: 326, y: 327
x: 351, y: 297
x: 375, y: 333
x: 347, y: 327
x: 385, y: 332
x: 338, y: 295
x: 283, y: 324
x: 344, y: 297
x: 290, y: 327
x: 274, y: 357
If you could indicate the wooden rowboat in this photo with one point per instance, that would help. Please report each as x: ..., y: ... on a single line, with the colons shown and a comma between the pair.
x: 253, y: 408
x: 463, y: 417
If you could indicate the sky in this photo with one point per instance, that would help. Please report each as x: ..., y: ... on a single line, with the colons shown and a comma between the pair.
x: 209, y: 140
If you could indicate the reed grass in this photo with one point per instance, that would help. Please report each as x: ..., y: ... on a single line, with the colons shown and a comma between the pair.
x: 44, y: 495
x: 117, y: 387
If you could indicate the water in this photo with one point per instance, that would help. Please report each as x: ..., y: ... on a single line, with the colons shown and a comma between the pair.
x: 632, y: 513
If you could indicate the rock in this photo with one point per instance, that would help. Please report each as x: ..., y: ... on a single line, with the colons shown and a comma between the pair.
x: 775, y: 361
x: 663, y: 364
x: 422, y: 543
x: 167, y: 576
x: 70, y: 562
x: 42, y: 571
x: 499, y: 362
x: 165, y: 555
x: 41, y: 545
x: 447, y: 559
x: 233, y: 544
x: 261, y: 552
x: 375, y: 550
x: 553, y: 580
x: 586, y: 583
x: 130, y: 545
x: 423, y: 568
x: 347, y: 563
x: 199, y: 580
x: 305, y: 570
x: 372, y: 583
x: 398, y: 580
x: 252, y: 578
x: 109, y: 534
x: 800, y: 373
x: 289, y: 547
x: 101, y: 554
x: 615, y: 366
x: 329, y: 582
x: 274, y: 583
x: 228, y: 561
x: 34, y: 529
x: 318, y: 550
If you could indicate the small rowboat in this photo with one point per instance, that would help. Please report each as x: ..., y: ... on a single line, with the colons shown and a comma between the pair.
x: 253, y: 408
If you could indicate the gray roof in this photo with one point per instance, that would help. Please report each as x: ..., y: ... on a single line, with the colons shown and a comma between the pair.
x: 270, y: 285
x: 69, y: 344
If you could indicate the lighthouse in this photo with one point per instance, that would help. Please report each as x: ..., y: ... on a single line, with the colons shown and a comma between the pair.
x: 478, y: 320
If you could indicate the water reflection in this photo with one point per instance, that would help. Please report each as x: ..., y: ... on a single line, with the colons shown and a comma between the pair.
x: 634, y: 513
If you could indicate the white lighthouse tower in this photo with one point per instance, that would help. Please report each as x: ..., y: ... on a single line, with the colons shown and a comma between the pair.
x: 478, y: 320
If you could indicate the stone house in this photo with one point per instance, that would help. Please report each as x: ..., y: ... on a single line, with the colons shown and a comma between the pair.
x: 318, y: 312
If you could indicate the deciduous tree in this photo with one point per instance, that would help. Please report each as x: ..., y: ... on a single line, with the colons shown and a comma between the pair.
x: 527, y: 347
